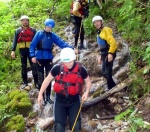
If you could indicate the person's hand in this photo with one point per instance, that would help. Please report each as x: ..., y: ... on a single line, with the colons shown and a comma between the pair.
x: 40, y: 99
x: 82, y: 17
x: 33, y: 60
x: 99, y: 59
x: 13, y: 54
x: 85, y: 96
x: 110, y: 57
x: 75, y: 50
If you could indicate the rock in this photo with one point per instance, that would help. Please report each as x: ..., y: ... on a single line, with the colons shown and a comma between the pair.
x: 118, y: 108
x: 120, y: 101
x: 31, y: 123
x: 99, y: 126
x: 147, y: 102
x: 117, y: 129
x: 113, y: 100
x: 44, y: 123
x: 97, y: 116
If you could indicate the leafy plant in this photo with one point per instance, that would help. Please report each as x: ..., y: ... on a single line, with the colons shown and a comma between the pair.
x: 135, y: 122
x: 147, y: 54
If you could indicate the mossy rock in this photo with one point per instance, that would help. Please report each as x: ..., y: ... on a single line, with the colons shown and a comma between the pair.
x: 16, y: 123
x: 19, y: 101
x: 32, y: 114
x: 97, y: 93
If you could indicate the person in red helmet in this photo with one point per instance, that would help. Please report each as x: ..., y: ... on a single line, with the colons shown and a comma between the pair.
x: 108, y: 48
x: 41, y: 53
x: 69, y: 76
x: 22, y: 39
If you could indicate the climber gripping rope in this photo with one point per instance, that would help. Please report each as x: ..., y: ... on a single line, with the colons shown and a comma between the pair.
x: 79, y: 11
x: 69, y: 76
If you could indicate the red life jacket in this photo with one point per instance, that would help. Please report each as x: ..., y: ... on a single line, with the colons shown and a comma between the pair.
x: 25, y: 35
x: 81, y: 9
x: 69, y: 82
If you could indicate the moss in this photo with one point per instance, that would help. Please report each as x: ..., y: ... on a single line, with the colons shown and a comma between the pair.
x: 32, y: 114
x: 19, y: 101
x: 16, y: 124
x: 97, y: 93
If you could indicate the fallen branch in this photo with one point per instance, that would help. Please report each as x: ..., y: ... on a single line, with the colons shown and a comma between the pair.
x: 117, y: 88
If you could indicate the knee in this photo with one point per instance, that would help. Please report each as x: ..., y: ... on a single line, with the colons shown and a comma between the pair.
x: 77, y: 127
x: 24, y: 68
x: 34, y: 70
x: 59, y: 127
x: 105, y: 74
x: 40, y: 79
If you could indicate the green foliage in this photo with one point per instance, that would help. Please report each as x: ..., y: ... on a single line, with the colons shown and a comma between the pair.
x: 14, y: 102
x: 135, y: 122
x: 147, y: 54
x: 132, y: 18
x: 63, y: 6
x: 88, y: 25
x: 16, y: 124
x: 3, y: 100
x: 32, y: 114
x: 20, y: 102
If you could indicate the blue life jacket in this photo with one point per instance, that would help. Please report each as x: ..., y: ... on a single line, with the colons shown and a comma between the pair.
x: 104, y: 47
x: 46, y: 42
x: 42, y: 44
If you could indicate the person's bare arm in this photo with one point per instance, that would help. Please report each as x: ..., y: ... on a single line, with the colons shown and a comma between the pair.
x: 45, y: 84
x: 88, y: 86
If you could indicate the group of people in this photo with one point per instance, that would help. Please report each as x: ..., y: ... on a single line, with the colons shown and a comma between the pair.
x: 70, y: 75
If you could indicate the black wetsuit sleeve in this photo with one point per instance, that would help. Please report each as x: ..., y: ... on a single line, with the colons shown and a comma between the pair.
x: 14, y: 45
x: 84, y: 72
x: 55, y: 70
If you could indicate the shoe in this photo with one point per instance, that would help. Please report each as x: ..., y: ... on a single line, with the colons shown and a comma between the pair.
x: 44, y: 103
x: 82, y: 47
x: 36, y: 85
x: 49, y: 100
x: 23, y: 86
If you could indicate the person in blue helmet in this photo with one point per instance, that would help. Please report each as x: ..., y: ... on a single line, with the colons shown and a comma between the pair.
x: 41, y: 53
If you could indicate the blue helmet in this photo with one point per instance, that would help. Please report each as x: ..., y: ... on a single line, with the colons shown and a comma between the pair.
x: 49, y: 23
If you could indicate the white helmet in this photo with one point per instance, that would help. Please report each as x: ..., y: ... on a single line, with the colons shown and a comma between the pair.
x: 24, y: 17
x: 67, y: 55
x: 97, y: 18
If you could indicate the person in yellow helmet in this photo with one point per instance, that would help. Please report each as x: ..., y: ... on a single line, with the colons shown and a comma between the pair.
x: 108, y: 47
x: 79, y: 11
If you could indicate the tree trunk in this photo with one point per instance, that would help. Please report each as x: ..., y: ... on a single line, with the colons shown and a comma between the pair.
x: 117, y: 88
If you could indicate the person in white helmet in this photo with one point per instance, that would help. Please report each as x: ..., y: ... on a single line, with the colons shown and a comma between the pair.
x: 69, y: 77
x: 108, y: 48
x: 22, y: 39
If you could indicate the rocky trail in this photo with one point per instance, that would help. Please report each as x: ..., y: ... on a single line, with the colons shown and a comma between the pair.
x: 100, y: 116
